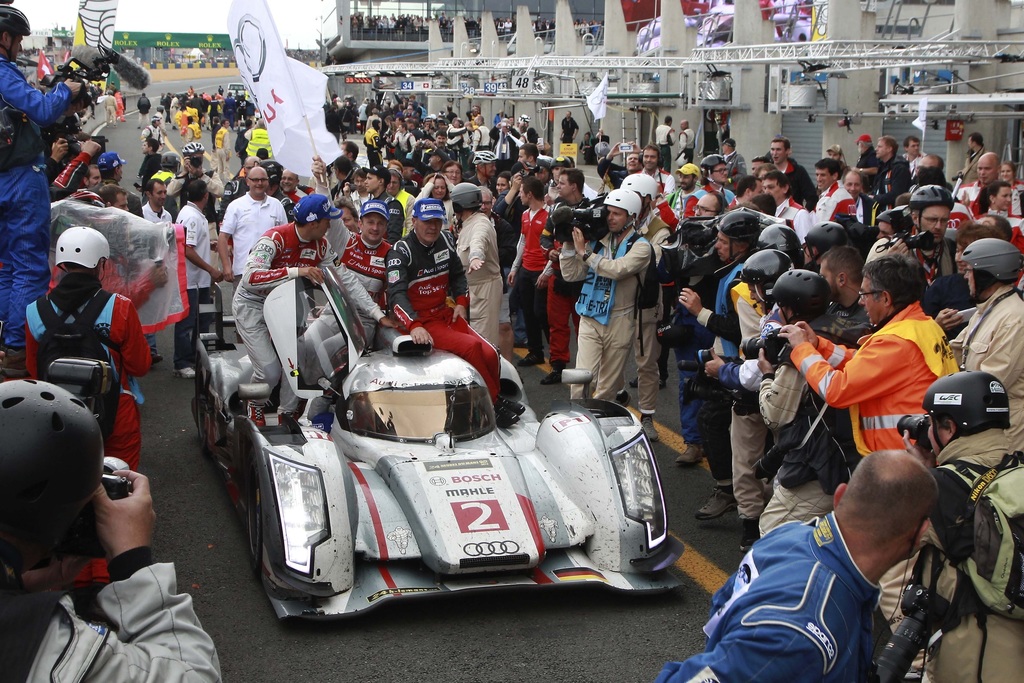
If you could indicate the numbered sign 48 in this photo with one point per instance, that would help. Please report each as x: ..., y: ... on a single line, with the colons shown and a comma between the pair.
x: 522, y: 82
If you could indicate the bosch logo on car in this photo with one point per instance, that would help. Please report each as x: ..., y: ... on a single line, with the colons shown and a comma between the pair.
x: 473, y: 478
x: 490, y: 548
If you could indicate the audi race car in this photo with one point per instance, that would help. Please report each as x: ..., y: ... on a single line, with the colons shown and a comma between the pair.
x: 398, y: 484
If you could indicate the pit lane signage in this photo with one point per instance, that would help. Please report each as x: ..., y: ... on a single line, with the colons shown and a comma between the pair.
x: 415, y: 86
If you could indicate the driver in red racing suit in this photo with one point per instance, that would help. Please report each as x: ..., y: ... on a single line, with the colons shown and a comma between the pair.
x: 293, y: 250
x: 422, y: 269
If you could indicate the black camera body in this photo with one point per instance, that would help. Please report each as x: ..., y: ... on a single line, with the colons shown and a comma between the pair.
x: 81, y: 538
x: 923, y: 240
x: 701, y: 387
x: 910, y: 637
x: 918, y: 426
x: 772, y: 344
x: 591, y: 218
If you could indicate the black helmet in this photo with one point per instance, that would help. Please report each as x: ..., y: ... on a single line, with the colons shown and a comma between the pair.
x: 897, y: 218
x: 993, y: 260
x: 51, y: 462
x: 825, y: 235
x: 930, y: 195
x: 274, y: 171
x: 741, y: 224
x: 13, y: 21
x: 170, y: 161
x: 785, y: 239
x: 764, y: 268
x: 803, y: 291
x: 466, y: 197
x: 710, y: 161
x: 975, y: 400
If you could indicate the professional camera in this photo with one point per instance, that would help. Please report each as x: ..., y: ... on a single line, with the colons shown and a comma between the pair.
x: 770, y: 341
x: 81, y: 538
x: 923, y: 240
x: 698, y: 234
x: 674, y: 336
x: 591, y: 218
x: 895, y: 659
x: 918, y: 426
x: 701, y: 387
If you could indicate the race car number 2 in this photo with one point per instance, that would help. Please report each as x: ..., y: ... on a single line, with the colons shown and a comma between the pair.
x: 475, y: 516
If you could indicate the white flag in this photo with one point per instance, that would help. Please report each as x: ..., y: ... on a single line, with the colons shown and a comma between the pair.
x: 290, y: 95
x: 921, y: 122
x: 598, y: 100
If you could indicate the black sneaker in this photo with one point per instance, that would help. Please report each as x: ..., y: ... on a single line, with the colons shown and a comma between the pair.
x: 531, y: 359
x: 553, y: 377
x: 635, y: 382
x: 751, y: 533
x: 622, y: 398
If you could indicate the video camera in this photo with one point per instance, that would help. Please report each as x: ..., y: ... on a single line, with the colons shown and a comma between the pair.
x: 77, y: 69
x: 692, y: 241
x: 591, y: 218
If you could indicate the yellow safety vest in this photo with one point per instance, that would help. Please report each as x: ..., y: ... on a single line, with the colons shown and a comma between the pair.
x: 260, y: 139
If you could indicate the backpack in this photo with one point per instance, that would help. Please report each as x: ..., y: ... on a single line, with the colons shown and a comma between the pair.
x: 983, y: 533
x: 80, y: 338
x: 649, y: 286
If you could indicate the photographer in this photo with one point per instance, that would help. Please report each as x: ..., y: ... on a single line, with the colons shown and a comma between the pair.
x: 194, y: 155
x: 800, y: 606
x: 737, y: 235
x: 24, y: 193
x: 930, y: 208
x: 55, y: 448
x: 73, y: 176
x: 814, y: 450
x: 608, y: 266
x: 967, y: 439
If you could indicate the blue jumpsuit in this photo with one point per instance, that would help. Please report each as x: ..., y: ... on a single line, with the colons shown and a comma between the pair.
x: 25, y: 205
x: 797, y: 610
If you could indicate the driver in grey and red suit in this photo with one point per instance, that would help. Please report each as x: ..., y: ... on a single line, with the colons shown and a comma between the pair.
x: 290, y: 251
x: 423, y: 269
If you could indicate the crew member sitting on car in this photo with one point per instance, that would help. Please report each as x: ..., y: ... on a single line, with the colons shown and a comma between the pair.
x: 423, y: 271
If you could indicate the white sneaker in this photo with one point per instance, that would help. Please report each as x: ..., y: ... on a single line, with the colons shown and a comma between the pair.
x: 185, y: 373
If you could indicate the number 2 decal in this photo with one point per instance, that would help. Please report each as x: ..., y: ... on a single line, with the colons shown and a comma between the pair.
x: 475, y: 516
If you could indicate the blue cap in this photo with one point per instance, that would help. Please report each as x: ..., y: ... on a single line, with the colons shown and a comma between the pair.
x: 314, y: 207
x: 374, y: 206
x: 108, y: 161
x: 428, y: 209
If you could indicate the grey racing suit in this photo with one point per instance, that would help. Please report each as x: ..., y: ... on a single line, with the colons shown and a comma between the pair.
x: 158, y: 638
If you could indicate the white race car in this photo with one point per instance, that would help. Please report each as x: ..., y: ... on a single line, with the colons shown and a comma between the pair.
x: 414, y: 491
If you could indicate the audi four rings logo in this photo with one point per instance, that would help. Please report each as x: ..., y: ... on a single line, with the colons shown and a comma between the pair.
x: 490, y: 548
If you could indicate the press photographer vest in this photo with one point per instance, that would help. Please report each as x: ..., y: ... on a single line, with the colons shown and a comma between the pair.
x: 598, y: 295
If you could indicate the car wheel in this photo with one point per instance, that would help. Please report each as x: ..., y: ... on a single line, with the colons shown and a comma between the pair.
x: 255, y: 522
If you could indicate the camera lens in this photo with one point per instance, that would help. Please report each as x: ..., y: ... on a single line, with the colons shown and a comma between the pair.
x: 917, y: 426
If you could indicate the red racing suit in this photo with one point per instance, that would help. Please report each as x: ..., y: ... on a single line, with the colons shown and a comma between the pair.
x: 420, y: 279
x: 370, y: 266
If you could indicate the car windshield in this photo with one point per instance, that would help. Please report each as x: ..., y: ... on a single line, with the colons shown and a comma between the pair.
x: 322, y: 338
x: 419, y: 414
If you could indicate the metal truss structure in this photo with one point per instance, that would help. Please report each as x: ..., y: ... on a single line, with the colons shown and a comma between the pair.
x: 828, y: 55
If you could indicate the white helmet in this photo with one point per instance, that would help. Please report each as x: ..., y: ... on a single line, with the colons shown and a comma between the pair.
x: 193, y: 148
x: 524, y: 118
x: 641, y: 183
x: 484, y: 157
x: 627, y: 200
x: 82, y: 246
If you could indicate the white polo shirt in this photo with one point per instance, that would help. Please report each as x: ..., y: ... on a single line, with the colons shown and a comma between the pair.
x: 246, y: 220
x: 197, y: 236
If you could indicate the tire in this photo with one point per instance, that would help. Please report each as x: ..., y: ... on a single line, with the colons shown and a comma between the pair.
x: 201, y: 413
x: 254, y: 522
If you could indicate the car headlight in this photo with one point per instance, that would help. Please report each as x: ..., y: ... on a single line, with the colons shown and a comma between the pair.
x: 302, y: 510
x: 640, y: 488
